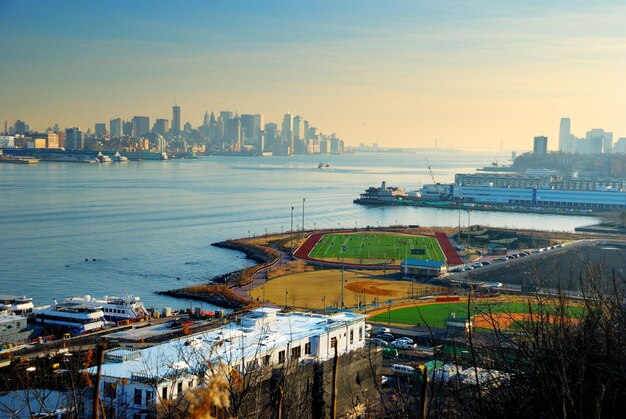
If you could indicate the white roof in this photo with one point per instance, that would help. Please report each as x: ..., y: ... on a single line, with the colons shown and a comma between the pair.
x: 229, y: 344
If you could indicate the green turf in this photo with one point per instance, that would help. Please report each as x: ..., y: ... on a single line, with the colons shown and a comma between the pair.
x: 376, y: 248
x: 434, y: 315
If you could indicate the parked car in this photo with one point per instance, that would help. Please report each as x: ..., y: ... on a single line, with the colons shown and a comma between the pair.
x: 386, y: 336
x: 406, y: 339
x: 486, y: 262
x: 477, y: 265
x: 368, y: 327
x: 401, y: 344
x: 383, y: 330
x: 378, y: 342
x: 502, y: 259
x: 402, y: 369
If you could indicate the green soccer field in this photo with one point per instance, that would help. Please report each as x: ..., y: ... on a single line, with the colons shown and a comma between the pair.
x: 434, y: 315
x: 376, y: 248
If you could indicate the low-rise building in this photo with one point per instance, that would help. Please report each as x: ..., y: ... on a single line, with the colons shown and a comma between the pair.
x: 136, y: 382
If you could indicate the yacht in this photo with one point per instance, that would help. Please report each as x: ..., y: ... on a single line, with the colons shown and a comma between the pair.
x: 115, y: 309
x: 16, y: 305
x: 74, y: 317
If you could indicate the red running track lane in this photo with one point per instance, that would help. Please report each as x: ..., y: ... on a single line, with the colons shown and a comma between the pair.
x: 303, y: 251
x: 448, y: 250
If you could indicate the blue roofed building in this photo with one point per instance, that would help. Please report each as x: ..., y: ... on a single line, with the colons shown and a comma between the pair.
x: 419, y: 268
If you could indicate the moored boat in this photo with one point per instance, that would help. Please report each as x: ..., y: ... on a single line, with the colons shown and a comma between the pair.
x: 16, y: 305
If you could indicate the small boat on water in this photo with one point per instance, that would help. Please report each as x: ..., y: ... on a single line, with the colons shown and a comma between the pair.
x: 103, y: 158
x: 119, y: 158
x: 323, y: 165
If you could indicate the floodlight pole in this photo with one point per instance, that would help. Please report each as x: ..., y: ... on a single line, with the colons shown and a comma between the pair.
x: 343, y: 249
x: 291, y: 242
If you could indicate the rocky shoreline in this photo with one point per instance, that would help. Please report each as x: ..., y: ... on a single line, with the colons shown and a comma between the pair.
x: 219, y: 296
x: 219, y: 300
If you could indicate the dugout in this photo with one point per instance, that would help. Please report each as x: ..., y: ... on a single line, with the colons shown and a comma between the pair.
x: 422, y: 268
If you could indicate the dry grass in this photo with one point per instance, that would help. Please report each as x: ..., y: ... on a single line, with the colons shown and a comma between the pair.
x: 289, y: 269
x: 308, y: 289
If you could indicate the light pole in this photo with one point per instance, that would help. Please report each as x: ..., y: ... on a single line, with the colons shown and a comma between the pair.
x: 324, y: 302
x: 303, y: 199
x: 343, y: 249
x: 286, y: 294
x: 291, y: 241
x: 468, y: 229
x: 389, y: 312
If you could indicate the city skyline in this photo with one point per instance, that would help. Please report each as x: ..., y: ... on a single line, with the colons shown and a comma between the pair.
x: 399, y: 74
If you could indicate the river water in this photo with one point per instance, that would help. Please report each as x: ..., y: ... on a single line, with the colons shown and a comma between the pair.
x: 150, y: 224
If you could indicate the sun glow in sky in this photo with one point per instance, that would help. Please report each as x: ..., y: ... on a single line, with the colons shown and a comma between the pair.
x: 471, y: 74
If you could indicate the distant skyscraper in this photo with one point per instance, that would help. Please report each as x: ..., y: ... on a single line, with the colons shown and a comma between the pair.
x: 257, y: 132
x: 298, y: 129
x: 20, y: 127
x: 540, y: 145
x: 600, y: 141
x: 246, y: 128
x: 271, y: 140
x: 175, y: 120
x: 206, y: 120
x: 305, y: 129
x: 74, y: 139
x: 129, y: 128
x: 115, y: 128
x: 287, y: 132
x: 161, y: 126
x: 142, y: 125
x: 100, y: 130
x: 565, y: 139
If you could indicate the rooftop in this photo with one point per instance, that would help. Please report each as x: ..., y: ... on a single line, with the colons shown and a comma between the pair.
x: 229, y: 344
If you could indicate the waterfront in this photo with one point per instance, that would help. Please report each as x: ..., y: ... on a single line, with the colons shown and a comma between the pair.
x: 149, y: 223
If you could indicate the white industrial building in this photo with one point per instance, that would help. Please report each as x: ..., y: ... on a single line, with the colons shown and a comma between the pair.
x: 534, y: 197
x: 134, y: 382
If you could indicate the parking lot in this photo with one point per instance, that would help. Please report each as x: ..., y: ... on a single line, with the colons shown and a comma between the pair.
x: 568, y: 267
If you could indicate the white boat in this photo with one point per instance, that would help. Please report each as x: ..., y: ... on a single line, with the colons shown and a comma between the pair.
x: 119, y: 158
x: 115, y: 309
x: 74, y: 317
x: 16, y: 305
x: 323, y: 165
x: 102, y: 158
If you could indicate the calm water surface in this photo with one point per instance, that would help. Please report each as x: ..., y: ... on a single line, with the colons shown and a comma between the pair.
x: 150, y: 223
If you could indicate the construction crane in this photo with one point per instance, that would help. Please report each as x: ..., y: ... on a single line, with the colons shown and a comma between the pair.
x: 433, y: 177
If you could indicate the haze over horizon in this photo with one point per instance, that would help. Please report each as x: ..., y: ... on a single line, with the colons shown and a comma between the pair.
x: 399, y: 73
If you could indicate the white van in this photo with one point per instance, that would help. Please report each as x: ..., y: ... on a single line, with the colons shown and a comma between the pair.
x: 402, y: 369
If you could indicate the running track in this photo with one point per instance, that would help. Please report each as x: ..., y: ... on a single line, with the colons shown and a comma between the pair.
x: 448, y: 250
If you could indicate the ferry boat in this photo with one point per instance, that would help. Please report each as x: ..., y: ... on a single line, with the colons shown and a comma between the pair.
x: 16, y: 305
x: 73, y: 317
x: 115, y: 309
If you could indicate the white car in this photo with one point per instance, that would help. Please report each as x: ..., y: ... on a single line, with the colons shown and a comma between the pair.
x: 406, y: 339
x: 368, y: 327
x: 401, y: 344
x: 382, y: 330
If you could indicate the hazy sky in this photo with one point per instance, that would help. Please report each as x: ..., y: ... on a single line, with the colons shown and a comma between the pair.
x: 404, y: 73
